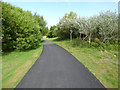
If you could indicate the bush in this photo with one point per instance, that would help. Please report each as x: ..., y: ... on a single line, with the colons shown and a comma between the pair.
x: 97, y: 40
x: 94, y: 44
x: 76, y: 42
x: 98, y: 45
x: 20, y: 29
x: 50, y: 34
x: 79, y: 42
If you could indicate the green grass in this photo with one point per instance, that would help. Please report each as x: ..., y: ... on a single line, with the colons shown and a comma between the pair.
x: 103, y: 64
x: 0, y: 71
x: 15, y: 65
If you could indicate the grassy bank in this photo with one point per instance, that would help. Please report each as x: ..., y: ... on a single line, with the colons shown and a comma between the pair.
x: 103, y: 64
x: 16, y: 64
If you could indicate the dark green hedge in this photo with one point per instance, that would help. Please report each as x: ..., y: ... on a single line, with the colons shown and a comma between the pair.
x: 20, y: 29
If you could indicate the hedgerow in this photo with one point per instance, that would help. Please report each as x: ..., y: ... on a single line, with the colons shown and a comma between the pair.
x: 20, y: 29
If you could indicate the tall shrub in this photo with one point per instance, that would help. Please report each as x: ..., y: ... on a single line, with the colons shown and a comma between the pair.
x: 20, y: 28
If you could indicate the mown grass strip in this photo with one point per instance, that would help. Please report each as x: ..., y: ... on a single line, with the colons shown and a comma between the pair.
x: 15, y: 65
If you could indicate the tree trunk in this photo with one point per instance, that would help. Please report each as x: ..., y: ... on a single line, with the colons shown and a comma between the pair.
x: 84, y: 38
x: 71, y: 35
x: 80, y: 39
x: 80, y: 35
x: 89, y: 40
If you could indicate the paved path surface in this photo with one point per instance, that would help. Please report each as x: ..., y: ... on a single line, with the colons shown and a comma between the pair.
x: 57, y: 68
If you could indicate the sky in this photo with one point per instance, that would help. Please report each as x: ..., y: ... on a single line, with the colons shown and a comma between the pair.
x: 53, y: 10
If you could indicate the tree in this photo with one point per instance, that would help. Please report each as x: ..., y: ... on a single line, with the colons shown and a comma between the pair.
x: 104, y: 27
x: 108, y: 24
x: 40, y: 20
x: 20, y: 29
x: 52, y: 32
x: 65, y: 26
x: 44, y: 30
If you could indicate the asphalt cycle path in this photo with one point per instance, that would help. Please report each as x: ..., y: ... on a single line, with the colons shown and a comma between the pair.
x: 57, y: 68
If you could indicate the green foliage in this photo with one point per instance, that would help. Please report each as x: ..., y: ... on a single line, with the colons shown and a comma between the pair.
x: 52, y: 28
x: 44, y: 30
x: 79, y: 42
x: 99, y: 30
x: 66, y: 24
x: 98, y: 45
x: 40, y: 20
x: 104, y: 26
x: 76, y: 42
x: 42, y: 24
x: 94, y: 44
x: 21, y: 30
x: 52, y: 32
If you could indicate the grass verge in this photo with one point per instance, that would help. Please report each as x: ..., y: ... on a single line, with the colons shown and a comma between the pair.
x: 16, y: 64
x: 103, y: 64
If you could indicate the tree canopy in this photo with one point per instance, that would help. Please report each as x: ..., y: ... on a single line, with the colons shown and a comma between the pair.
x: 104, y: 26
x: 20, y: 29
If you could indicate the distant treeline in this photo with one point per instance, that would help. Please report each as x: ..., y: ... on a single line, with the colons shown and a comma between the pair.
x: 20, y: 29
x: 102, y: 28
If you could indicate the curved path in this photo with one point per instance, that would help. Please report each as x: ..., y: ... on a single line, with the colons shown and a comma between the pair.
x: 57, y: 68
